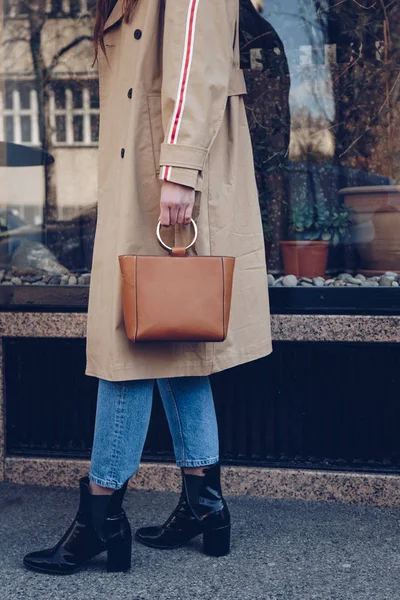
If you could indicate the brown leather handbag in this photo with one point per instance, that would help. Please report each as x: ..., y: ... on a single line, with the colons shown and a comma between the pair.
x: 178, y: 297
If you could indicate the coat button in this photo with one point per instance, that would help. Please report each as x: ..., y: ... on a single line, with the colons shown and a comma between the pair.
x: 137, y: 34
x: 130, y: 93
x: 122, y: 152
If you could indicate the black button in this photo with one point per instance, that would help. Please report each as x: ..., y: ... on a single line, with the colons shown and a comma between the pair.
x: 122, y: 152
x: 137, y: 34
x: 130, y: 93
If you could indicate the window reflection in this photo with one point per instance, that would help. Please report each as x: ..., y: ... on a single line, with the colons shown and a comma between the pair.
x: 323, y: 81
x: 48, y: 143
x: 339, y: 102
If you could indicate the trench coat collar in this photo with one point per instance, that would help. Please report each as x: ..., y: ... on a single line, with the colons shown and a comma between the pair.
x: 115, y: 15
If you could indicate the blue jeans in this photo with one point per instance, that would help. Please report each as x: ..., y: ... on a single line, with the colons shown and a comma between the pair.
x: 122, y: 420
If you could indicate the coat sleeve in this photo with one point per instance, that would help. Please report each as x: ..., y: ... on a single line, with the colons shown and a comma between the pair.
x: 197, y: 60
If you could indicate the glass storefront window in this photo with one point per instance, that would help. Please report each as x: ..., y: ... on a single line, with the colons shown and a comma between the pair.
x: 48, y: 137
x: 323, y: 106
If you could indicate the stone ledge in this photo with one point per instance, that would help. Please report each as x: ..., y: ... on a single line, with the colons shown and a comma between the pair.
x: 355, y: 488
x: 295, y: 328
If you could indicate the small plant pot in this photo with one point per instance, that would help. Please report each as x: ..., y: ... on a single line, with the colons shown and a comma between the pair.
x: 376, y: 226
x: 305, y: 258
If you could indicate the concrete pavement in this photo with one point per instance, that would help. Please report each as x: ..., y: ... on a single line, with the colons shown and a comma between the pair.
x: 282, y: 550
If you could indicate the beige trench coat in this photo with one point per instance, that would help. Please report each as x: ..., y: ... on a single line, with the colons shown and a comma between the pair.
x: 171, y: 107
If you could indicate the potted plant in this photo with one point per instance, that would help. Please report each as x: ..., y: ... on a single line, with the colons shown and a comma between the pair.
x: 375, y: 227
x: 313, y: 228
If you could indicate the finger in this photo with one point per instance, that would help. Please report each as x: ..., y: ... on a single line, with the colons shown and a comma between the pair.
x: 181, y: 214
x: 188, y: 214
x: 186, y: 218
x: 173, y: 211
x: 165, y: 216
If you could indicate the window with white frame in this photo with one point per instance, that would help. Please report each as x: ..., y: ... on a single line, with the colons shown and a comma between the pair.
x: 74, y: 113
x: 19, y: 112
x: 53, y: 8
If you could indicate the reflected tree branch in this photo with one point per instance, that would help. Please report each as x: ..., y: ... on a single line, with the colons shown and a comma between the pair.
x: 65, y: 49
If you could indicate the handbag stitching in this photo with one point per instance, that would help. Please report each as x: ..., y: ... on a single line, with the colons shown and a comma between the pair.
x: 136, y: 307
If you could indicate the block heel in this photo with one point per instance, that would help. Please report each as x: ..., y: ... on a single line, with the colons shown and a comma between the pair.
x: 100, y: 525
x: 119, y: 555
x: 217, y: 542
x: 201, y: 510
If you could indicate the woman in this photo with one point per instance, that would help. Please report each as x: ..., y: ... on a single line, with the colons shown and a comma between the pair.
x: 174, y: 143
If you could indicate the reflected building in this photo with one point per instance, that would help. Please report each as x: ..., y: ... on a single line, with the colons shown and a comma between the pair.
x: 322, y: 106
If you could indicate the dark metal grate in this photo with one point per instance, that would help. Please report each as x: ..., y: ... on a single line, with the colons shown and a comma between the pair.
x: 317, y: 405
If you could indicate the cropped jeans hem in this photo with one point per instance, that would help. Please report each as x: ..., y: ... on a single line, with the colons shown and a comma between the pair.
x: 197, y: 463
x: 116, y: 485
x: 122, y: 419
x: 106, y: 483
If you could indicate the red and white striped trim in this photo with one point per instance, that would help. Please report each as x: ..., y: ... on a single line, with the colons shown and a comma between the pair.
x: 183, y: 80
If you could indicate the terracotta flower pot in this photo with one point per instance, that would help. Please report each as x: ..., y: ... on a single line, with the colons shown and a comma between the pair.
x: 376, y: 226
x: 305, y: 258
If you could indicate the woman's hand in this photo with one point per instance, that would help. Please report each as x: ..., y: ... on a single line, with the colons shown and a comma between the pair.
x: 176, y: 204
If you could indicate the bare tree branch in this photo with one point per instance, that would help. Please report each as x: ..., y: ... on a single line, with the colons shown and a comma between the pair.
x: 363, y: 6
x: 66, y: 48
x: 15, y: 39
x: 30, y: 7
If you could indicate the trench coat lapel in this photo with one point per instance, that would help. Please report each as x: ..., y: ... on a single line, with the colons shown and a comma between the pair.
x: 115, y: 15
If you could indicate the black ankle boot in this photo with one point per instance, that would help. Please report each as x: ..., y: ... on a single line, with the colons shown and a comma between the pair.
x: 201, y: 509
x: 100, y: 525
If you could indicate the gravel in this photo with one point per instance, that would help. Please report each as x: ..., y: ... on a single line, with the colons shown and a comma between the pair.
x: 29, y: 277
x: 318, y: 281
x: 289, y: 281
x: 388, y: 279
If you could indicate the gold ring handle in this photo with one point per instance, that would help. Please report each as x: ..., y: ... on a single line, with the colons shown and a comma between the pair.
x: 164, y: 245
